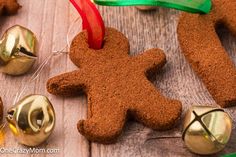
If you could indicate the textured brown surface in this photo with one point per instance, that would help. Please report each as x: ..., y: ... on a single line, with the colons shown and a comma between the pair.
x: 116, y: 86
x: 203, y: 49
x: 8, y: 7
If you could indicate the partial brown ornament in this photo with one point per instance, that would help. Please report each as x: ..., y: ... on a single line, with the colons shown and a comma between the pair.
x: 145, y: 8
x: 117, y: 87
x: 8, y: 7
x: 203, y: 49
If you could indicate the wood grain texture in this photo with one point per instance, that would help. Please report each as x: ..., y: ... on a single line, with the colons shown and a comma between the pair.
x: 51, y: 19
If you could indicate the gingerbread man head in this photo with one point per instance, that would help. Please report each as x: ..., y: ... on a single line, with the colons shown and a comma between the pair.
x: 117, y: 87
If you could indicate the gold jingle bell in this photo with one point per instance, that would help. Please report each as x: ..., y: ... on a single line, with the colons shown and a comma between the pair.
x: 32, y: 120
x: 17, y: 50
x: 206, y: 129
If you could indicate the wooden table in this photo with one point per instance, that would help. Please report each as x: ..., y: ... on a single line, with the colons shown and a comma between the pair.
x: 50, y: 20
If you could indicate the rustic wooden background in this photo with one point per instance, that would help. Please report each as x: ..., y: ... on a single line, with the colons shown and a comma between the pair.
x: 50, y: 20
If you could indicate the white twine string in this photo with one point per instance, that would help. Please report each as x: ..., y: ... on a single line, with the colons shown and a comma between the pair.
x: 37, y: 73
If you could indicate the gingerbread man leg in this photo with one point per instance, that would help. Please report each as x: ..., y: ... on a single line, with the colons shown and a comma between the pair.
x: 106, y: 119
x: 156, y: 111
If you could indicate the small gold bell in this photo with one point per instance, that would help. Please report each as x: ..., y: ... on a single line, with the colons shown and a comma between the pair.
x: 32, y: 120
x: 206, y: 129
x: 17, y: 50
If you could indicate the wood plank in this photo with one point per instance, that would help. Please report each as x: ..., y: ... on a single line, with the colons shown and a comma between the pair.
x: 75, y: 108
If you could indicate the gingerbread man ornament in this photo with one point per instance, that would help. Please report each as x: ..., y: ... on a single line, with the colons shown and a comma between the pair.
x: 117, y: 87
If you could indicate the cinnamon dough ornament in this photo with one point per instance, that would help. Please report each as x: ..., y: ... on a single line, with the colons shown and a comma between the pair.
x: 8, y: 7
x: 203, y: 49
x: 117, y: 87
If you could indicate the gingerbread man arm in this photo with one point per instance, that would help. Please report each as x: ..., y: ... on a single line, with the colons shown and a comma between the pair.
x: 106, y: 119
x: 9, y: 7
x: 151, y: 60
x: 68, y: 84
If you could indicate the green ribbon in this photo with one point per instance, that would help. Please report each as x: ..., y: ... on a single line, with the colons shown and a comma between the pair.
x: 230, y: 155
x: 192, y: 6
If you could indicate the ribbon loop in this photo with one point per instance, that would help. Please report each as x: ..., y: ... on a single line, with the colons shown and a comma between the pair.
x: 192, y: 6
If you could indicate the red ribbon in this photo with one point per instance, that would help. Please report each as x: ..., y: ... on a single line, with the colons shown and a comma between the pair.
x: 92, y: 22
